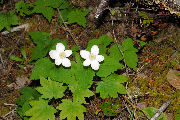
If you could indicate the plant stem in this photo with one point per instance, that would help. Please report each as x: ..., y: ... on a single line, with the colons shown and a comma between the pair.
x: 135, y: 107
x: 69, y: 31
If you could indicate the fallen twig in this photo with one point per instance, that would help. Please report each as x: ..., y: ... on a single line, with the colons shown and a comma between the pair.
x: 101, y: 7
x: 135, y: 107
x: 12, y: 111
x: 18, y: 28
x: 15, y: 45
x: 1, y: 59
x: 160, y: 110
x: 10, y: 104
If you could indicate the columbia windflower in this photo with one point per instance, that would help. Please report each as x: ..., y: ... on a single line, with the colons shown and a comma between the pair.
x: 60, y: 55
x: 92, y: 58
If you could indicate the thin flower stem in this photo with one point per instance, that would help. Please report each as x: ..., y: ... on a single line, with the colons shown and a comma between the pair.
x: 69, y: 31
x: 115, y: 40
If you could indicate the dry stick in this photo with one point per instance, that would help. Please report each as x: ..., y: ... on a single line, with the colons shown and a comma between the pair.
x: 14, y: 47
x: 1, y: 59
x: 10, y: 104
x: 76, y: 42
x: 134, y: 106
x: 100, y: 8
x: 127, y: 75
x: 160, y: 110
x: 12, y: 111
x: 18, y: 28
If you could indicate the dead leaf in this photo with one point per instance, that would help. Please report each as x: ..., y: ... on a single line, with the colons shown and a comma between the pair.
x: 173, y: 78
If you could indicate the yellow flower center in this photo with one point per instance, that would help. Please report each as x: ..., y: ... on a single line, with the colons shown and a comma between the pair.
x: 62, y: 55
x: 92, y: 57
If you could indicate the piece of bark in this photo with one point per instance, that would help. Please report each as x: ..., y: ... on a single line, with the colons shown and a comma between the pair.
x: 161, y: 110
x: 101, y: 7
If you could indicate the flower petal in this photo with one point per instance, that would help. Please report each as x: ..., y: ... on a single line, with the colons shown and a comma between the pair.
x: 54, y: 54
x: 66, y: 62
x: 99, y: 58
x: 95, y: 50
x: 95, y: 65
x: 84, y: 54
x: 58, y: 61
x: 68, y: 52
x: 60, y: 47
x: 87, y: 62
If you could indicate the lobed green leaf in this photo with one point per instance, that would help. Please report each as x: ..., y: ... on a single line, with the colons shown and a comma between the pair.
x: 71, y: 110
x: 102, y: 43
x: 111, y: 86
x: 45, y: 68
x: 7, y: 20
x: 44, y: 44
x: 78, y: 16
x: 108, y: 66
x: 41, y: 110
x: 51, y: 89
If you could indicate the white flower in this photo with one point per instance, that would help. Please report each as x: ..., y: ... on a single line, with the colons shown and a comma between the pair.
x: 92, y: 58
x: 60, y: 55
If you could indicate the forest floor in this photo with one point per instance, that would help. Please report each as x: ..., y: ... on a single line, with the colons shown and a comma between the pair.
x: 151, y: 85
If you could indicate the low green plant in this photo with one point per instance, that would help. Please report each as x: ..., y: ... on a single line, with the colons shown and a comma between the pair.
x: 76, y: 75
x: 150, y: 111
x: 1, y: 1
x: 47, y: 7
x: 24, y: 60
x: 111, y: 107
x: 27, y: 94
x: 177, y: 116
x: 146, y: 19
x: 7, y: 20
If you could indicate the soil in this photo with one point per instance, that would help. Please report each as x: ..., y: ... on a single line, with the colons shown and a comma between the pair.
x: 148, y: 86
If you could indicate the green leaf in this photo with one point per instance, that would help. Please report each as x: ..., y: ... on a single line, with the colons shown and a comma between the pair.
x: 129, y: 52
x: 83, y: 75
x: 64, y: 9
x: 51, y: 89
x: 111, y: 86
x: 55, y: 3
x: 64, y: 14
x: 23, y: 52
x: 41, y: 110
x: 128, y: 45
x: 141, y: 43
x: 177, y: 116
x: 71, y: 109
x: 79, y: 94
x: 108, y: 66
x: 115, y: 53
x: 13, y: 57
x: 45, y: 68
x: 43, y: 42
x: 150, y: 111
x: 41, y: 6
x: 21, y: 110
x: 7, y: 20
x: 78, y: 16
x: 102, y: 43
x: 131, y: 59
x: 23, y: 8
x: 75, y: 48
x: 27, y: 94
